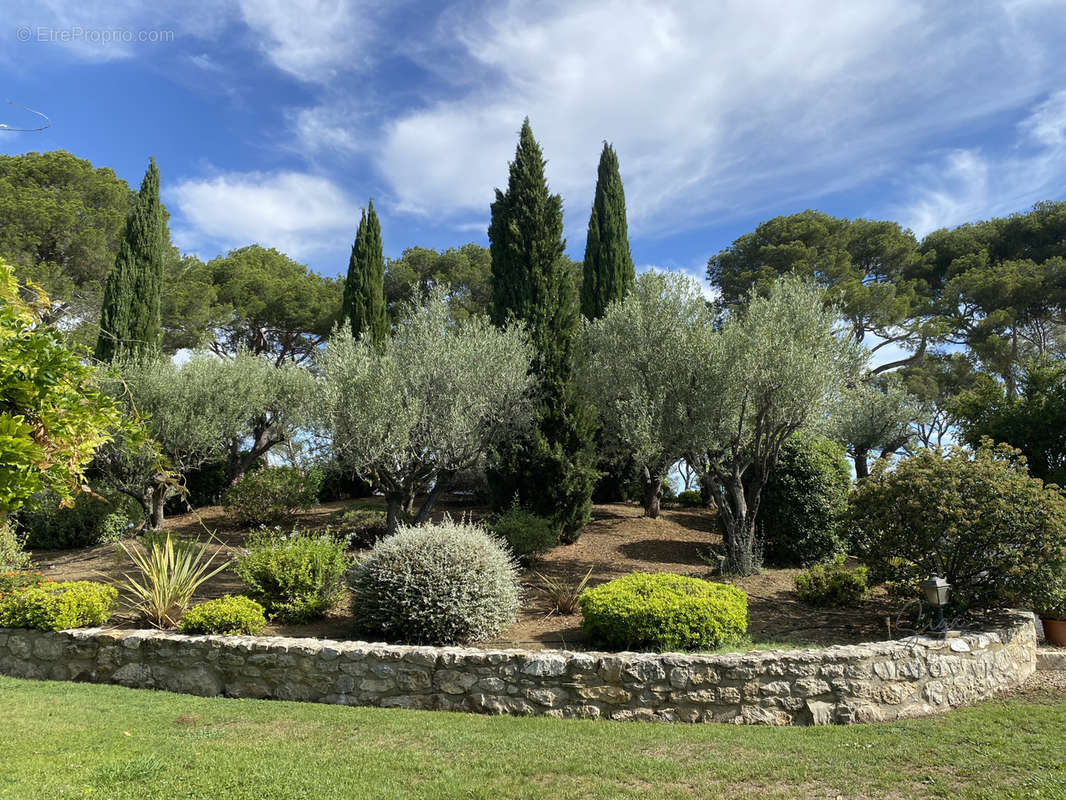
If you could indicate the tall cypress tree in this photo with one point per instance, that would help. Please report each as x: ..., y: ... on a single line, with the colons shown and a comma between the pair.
x: 608, y: 271
x: 551, y: 469
x: 364, y: 287
x: 131, y: 323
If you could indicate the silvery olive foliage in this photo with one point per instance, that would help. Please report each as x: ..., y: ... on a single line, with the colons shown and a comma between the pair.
x: 641, y: 368
x: 444, y: 583
x: 875, y: 420
x: 426, y: 402
x: 776, y: 365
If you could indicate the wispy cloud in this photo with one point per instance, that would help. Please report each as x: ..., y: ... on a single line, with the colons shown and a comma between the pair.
x: 297, y: 213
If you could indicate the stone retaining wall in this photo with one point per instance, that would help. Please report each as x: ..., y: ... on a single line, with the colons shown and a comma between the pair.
x: 856, y: 683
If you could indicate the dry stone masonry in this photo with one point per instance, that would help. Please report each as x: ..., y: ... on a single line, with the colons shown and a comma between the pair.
x: 844, y: 684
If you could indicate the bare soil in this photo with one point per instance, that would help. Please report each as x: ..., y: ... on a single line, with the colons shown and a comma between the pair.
x: 619, y: 540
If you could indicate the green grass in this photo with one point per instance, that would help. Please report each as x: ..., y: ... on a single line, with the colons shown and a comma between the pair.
x: 76, y: 740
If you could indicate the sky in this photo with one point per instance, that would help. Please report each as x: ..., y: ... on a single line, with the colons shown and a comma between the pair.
x: 274, y: 122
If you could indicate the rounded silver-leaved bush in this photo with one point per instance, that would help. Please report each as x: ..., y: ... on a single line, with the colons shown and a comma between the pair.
x: 445, y: 583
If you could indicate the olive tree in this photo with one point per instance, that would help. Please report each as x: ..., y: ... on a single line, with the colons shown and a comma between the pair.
x: 876, y: 419
x: 406, y: 414
x: 196, y: 412
x: 776, y: 365
x: 640, y: 370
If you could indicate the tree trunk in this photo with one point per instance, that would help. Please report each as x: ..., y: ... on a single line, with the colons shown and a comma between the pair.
x: 438, y: 488
x: 394, y: 514
x: 862, y: 469
x: 653, y: 491
x: 153, y: 503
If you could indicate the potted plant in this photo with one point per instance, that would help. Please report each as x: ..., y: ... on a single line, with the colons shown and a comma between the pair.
x: 1052, y: 612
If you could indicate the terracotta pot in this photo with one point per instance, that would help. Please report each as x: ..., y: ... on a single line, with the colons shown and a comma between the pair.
x: 1054, y: 631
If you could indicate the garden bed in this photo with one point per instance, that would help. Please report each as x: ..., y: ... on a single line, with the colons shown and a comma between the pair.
x: 618, y: 541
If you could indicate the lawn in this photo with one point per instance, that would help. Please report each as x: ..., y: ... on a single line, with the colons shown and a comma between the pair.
x: 78, y: 740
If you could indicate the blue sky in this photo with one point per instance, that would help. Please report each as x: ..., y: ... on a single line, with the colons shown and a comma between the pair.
x: 273, y: 121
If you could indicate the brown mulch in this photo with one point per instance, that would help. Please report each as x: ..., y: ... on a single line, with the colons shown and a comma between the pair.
x: 619, y: 540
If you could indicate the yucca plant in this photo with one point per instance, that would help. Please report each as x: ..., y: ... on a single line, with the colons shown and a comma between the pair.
x: 171, y: 572
x: 563, y: 593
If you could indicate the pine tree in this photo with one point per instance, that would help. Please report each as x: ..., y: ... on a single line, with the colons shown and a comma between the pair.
x: 131, y: 316
x: 364, y: 288
x: 608, y: 271
x: 551, y: 469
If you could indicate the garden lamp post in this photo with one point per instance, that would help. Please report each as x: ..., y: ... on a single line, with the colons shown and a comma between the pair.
x: 936, y: 591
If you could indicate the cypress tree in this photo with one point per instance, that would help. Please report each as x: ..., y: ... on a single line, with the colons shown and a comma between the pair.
x: 364, y: 287
x: 131, y: 323
x: 550, y: 470
x: 608, y: 271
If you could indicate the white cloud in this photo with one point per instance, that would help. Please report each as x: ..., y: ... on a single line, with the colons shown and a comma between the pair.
x: 297, y: 213
x: 312, y: 39
x: 716, y: 110
x: 971, y: 184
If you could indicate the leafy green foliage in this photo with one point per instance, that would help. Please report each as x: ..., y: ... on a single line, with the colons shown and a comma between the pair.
x: 20, y: 579
x: 464, y: 272
x: 608, y: 272
x: 832, y: 584
x: 272, y: 495
x: 551, y: 467
x: 57, y: 606
x: 690, y: 499
x: 803, y: 501
x: 978, y: 520
x: 63, y: 221
x: 446, y: 583
x: 641, y: 365
x: 425, y: 403
x: 1034, y: 421
x: 527, y: 535
x: 563, y: 593
x: 364, y: 295
x: 13, y: 558
x: 91, y: 520
x: 871, y: 269
x: 52, y: 415
x: 298, y: 577
x: 228, y: 615
x: 664, y: 612
x: 131, y: 322
x: 361, y: 527
x: 252, y: 299
x: 171, y: 573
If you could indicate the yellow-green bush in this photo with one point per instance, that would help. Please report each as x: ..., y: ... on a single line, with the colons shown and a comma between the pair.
x: 57, y: 606
x: 664, y: 612
x: 226, y: 615
x: 832, y: 584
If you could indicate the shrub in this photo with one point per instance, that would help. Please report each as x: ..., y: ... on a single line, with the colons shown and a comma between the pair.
x: 564, y: 594
x: 664, y: 612
x: 57, y: 606
x: 205, y: 485
x: 89, y: 522
x: 297, y: 577
x: 272, y: 495
x: 690, y: 499
x: 12, y: 557
x: 804, y: 502
x: 225, y: 615
x: 975, y: 518
x: 446, y: 583
x: 832, y: 584
x: 361, y: 526
x: 10, y: 581
x: 171, y: 572
x: 526, y: 534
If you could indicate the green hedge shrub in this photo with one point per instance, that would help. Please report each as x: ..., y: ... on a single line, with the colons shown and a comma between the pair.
x: 526, y: 534
x: 446, y: 583
x: 13, y: 558
x: 832, y: 584
x: 975, y: 518
x: 57, y: 606
x: 664, y: 612
x: 89, y: 522
x: 227, y: 615
x: 804, y: 502
x: 690, y: 499
x: 297, y: 577
x: 272, y: 495
x: 361, y: 526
